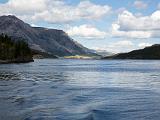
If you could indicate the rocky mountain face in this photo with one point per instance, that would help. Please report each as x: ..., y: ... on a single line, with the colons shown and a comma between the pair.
x: 152, y: 52
x: 51, y: 41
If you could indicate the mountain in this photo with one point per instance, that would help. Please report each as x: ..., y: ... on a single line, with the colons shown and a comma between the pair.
x: 103, y: 53
x: 51, y: 41
x: 152, y: 52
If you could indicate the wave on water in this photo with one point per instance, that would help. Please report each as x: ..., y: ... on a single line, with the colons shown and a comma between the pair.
x: 80, y: 90
x: 10, y: 76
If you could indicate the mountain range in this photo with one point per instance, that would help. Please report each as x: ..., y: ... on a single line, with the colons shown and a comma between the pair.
x: 50, y: 41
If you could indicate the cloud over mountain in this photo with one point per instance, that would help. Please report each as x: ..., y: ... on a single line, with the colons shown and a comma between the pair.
x: 53, y: 11
x: 86, y: 31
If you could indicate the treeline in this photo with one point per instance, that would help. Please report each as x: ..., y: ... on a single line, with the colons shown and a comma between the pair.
x: 148, y: 53
x: 13, y: 50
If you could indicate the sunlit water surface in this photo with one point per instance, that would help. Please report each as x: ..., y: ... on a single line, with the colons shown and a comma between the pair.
x: 80, y: 90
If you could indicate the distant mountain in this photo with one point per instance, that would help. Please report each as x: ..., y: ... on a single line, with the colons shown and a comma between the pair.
x: 152, y: 52
x: 103, y: 53
x: 51, y: 41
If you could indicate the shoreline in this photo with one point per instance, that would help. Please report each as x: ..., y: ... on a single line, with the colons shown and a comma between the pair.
x: 15, y: 61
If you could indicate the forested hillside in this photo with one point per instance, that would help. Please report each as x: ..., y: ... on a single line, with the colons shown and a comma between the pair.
x: 14, y: 51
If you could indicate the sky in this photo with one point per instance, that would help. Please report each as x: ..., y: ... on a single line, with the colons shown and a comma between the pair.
x: 111, y: 25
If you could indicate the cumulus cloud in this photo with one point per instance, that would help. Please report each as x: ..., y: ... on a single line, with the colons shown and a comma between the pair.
x: 116, y: 32
x: 117, y: 47
x: 140, y: 4
x: 86, y: 31
x: 132, y: 26
x: 53, y: 11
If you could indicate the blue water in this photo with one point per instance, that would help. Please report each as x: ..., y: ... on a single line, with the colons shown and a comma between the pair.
x: 80, y: 90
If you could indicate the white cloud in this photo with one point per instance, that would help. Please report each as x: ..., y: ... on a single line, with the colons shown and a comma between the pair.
x: 122, y: 46
x: 140, y: 4
x: 132, y: 26
x: 129, y: 21
x: 27, y: 5
x: 86, y: 31
x: 116, y: 32
x: 53, y: 11
x: 124, y: 43
x: 118, y: 47
x: 143, y: 45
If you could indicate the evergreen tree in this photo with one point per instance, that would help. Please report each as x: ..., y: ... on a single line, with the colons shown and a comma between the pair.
x: 11, y: 50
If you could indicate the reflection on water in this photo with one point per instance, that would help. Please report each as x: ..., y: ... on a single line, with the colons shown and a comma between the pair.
x: 80, y: 90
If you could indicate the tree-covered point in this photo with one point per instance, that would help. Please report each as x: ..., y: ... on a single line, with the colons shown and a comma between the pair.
x: 14, y: 50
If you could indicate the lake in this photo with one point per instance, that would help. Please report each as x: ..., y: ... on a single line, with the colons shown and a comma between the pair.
x: 66, y: 89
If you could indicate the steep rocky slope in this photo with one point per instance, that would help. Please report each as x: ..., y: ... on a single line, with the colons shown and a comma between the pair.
x: 51, y: 41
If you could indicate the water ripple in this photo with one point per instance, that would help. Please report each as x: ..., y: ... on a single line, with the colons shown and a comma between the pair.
x: 80, y: 90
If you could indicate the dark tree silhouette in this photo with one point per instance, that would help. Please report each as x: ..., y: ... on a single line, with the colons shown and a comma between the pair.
x: 12, y: 50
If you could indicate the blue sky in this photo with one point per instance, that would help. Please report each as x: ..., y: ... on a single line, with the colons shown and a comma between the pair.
x: 111, y: 25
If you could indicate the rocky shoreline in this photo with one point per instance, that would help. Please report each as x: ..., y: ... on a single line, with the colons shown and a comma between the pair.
x: 16, y: 61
